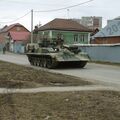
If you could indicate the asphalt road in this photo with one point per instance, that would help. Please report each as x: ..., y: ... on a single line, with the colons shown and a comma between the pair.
x: 102, y: 74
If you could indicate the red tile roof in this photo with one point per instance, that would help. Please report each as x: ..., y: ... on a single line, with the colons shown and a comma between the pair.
x: 64, y: 24
x: 19, y: 36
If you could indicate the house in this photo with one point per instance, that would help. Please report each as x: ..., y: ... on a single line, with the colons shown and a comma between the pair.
x: 69, y: 31
x: 110, y: 34
x: 1, y: 43
x: 14, y: 37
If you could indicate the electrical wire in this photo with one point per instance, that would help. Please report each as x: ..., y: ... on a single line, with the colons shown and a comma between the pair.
x: 17, y: 18
x: 54, y: 10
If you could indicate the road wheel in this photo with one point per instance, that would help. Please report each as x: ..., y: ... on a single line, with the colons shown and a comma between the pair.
x: 82, y: 64
x: 49, y: 63
x: 44, y: 63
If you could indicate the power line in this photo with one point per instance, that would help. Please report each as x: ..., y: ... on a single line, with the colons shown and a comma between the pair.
x: 17, y: 18
x: 54, y: 10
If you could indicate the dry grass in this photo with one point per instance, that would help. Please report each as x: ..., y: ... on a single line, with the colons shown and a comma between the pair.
x: 87, y: 105
x: 94, y: 105
x: 12, y: 75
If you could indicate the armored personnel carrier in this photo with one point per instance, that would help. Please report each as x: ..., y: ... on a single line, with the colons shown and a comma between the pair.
x: 52, y: 57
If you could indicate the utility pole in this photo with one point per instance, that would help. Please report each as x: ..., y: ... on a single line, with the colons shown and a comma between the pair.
x: 68, y: 13
x: 32, y: 26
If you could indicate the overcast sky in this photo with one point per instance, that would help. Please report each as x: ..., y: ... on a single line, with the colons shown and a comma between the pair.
x: 12, y: 9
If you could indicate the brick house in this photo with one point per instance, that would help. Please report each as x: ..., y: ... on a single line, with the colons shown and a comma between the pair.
x: 14, y: 37
x: 68, y: 30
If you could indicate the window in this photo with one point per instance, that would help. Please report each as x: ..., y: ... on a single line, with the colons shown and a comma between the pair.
x: 82, y: 38
x: 75, y: 38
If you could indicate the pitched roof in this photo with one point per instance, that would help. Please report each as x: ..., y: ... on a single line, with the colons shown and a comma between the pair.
x: 110, y: 30
x: 64, y: 24
x: 7, y: 28
x: 19, y: 35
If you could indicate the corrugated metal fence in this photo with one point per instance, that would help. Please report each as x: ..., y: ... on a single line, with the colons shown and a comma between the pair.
x: 19, y: 48
x: 105, y: 53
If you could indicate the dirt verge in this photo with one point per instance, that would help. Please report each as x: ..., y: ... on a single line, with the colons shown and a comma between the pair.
x: 16, y: 76
x: 87, y: 105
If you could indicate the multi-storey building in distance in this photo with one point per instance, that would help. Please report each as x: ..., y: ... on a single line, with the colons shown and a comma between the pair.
x: 92, y: 22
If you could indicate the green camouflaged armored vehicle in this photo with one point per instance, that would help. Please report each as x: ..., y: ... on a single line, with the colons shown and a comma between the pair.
x: 51, y: 57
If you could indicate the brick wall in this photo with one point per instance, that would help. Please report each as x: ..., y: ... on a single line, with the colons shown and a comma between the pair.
x: 18, y: 29
x: 106, y: 40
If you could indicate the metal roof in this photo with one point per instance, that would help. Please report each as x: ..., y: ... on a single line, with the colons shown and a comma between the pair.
x: 17, y: 36
x: 111, y: 30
